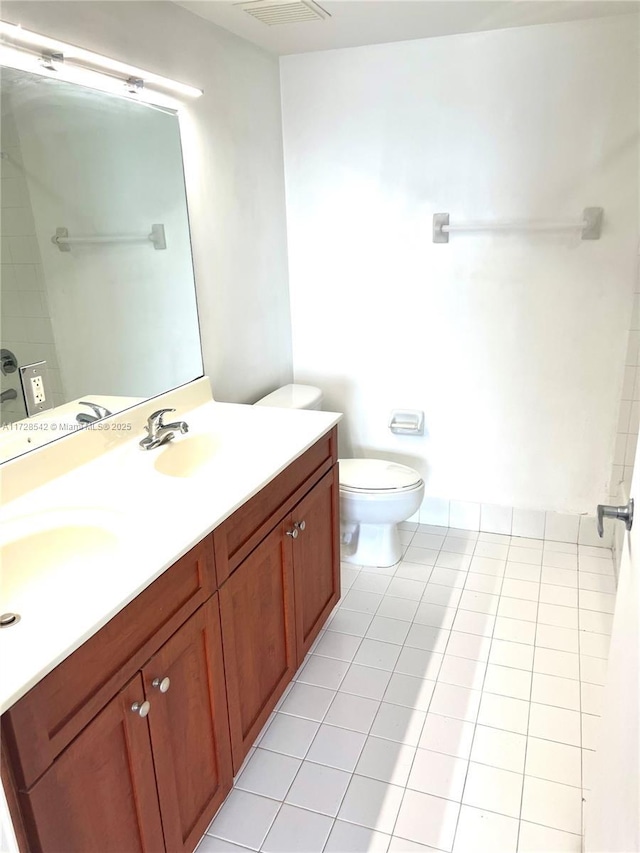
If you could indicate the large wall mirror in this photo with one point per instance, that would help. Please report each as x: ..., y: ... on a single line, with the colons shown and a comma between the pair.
x: 97, y: 275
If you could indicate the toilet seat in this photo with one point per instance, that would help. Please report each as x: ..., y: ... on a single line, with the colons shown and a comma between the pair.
x: 362, y: 476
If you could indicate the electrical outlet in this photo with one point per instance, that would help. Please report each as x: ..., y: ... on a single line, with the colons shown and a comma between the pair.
x: 37, y: 390
x: 35, y: 387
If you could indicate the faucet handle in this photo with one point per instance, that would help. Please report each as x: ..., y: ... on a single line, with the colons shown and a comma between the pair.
x: 99, y: 411
x: 156, y: 417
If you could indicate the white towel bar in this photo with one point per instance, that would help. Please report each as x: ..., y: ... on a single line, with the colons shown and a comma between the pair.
x: 589, y: 226
x: 63, y: 241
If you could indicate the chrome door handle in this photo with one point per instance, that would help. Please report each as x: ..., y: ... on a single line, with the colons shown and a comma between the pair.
x: 163, y: 684
x: 300, y: 525
x: 141, y: 708
x: 293, y: 533
x: 622, y: 513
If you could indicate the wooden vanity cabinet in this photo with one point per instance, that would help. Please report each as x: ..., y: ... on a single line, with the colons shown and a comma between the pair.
x: 84, y: 771
x: 275, y: 602
x: 84, y: 774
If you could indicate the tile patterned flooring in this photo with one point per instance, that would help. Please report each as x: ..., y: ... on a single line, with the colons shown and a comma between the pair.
x: 452, y: 703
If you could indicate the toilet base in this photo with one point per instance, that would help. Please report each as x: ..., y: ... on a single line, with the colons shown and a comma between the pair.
x: 376, y: 545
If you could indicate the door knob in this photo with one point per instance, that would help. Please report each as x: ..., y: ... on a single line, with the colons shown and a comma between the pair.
x: 163, y: 684
x: 300, y: 525
x: 622, y: 513
x: 293, y: 533
x: 141, y: 708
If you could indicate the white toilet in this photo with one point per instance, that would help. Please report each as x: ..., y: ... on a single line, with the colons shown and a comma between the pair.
x: 375, y: 494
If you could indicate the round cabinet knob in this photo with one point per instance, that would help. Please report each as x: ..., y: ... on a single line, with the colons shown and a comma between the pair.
x: 141, y: 708
x: 293, y: 533
x: 300, y: 525
x: 163, y: 684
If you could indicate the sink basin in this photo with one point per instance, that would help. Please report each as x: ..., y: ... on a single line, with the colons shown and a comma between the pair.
x: 186, y: 457
x: 64, y: 556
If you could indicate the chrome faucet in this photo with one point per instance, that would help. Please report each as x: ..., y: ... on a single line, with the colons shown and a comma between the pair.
x: 158, y: 432
x: 98, y: 413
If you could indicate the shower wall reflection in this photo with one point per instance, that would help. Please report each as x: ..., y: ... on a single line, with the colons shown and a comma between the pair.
x: 119, y: 318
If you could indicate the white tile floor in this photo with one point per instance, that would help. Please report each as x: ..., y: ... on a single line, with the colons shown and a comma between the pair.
x: 452, y: 703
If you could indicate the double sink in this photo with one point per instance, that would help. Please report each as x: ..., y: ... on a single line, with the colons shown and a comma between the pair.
x: 89, y: 522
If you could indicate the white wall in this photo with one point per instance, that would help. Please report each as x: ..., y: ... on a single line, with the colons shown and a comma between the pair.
x: 513, y: 345
x: 233, y: 163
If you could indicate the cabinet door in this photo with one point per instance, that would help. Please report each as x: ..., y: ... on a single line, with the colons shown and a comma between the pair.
x: 316, y: 560
x: 184, y: 683
x: 258, y: 638
x: 100, y: 794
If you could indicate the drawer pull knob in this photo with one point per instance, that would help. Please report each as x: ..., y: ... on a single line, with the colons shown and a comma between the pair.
x: 293, y: 533
x: 300, y: 525
x: 141, y: 708
x: 163, y: 684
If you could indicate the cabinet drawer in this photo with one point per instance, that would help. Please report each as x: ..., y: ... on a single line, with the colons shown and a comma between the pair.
x: 41, y: 724
x: 236, y: 537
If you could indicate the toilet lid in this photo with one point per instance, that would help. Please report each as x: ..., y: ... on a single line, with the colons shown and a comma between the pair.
x: 376, y: 475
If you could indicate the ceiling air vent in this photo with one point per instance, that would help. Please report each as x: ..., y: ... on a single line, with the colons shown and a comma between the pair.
x: 272, y: 12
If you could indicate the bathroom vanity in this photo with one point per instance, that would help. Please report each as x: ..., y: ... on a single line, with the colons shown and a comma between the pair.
x: 163, y: 599
x: 131, y: 741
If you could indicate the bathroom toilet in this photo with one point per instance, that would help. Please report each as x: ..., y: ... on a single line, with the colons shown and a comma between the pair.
x: 375, y: 494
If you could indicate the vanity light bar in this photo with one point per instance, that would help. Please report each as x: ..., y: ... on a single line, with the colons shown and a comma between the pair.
x: 18, y: 38
x: 101, y: 81
x: 34, y: 62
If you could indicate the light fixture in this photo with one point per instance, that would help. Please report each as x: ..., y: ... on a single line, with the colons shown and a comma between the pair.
x: 52, y: 55
x: 33, y: 63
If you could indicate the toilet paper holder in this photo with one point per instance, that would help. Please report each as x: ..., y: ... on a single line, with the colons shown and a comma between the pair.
x: 407, y: 422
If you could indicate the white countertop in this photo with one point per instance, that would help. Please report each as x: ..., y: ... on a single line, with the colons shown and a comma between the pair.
x: 80, y: 547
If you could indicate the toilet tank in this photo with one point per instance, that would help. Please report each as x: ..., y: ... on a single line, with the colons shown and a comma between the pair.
x: 293, y: 397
